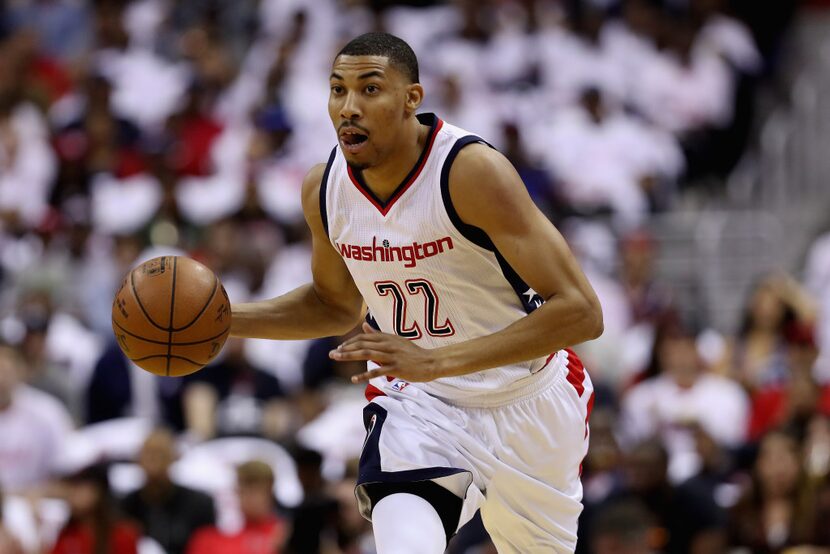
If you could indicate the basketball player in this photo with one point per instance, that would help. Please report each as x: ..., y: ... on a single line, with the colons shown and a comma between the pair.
x: 473, y: 298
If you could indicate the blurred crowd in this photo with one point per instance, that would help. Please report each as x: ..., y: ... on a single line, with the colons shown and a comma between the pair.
x: 133, y: 129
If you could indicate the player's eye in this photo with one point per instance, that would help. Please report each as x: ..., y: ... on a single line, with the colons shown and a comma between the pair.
x: 372, y: 89
x: 336, y: 89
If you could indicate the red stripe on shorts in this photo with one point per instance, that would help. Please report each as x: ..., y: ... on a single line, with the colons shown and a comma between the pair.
x: 372, y: 392
x: 588, y: 416
x: 576, y: 372
x: 590, y: 407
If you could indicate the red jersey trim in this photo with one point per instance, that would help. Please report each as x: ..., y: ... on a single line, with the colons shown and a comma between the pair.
x: 372, y: 392
x: 384, y: 207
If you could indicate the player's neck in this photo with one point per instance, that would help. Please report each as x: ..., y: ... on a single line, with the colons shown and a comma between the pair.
x: 385, y: 178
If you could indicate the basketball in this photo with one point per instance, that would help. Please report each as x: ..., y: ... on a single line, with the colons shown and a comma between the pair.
x: 171, y: 316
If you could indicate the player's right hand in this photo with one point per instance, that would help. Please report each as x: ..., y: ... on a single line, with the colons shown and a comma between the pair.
x: 396, y: 356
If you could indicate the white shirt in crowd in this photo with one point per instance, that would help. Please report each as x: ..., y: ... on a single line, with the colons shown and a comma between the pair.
x: 682, y: 98
x: 660, y: 407
x: 33, y: 429
x: 571, y: 63
x: 27, y: 164
x: 602, y: 164
x: 732, y: 39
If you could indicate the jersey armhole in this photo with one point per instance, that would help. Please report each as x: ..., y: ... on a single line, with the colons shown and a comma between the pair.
x: 324, y: 188
x: 472, y: 233
x: 529, y: 299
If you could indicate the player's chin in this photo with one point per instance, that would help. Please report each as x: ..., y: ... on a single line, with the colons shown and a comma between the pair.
x: 357, y: 155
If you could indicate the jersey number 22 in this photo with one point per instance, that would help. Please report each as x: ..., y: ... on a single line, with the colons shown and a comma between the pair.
x: 399, y: 301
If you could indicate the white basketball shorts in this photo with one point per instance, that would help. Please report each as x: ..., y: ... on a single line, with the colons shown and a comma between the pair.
x: 518, y: 460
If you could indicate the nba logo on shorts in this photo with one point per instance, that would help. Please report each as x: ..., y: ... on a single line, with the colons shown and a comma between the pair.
x: 399, y: 385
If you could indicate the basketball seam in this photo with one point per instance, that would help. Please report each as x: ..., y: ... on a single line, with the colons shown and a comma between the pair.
x: 153, y: 341
x: 140, y: 305
x: 209, y: 300
x: 168, y: 359
x: 172, y: 306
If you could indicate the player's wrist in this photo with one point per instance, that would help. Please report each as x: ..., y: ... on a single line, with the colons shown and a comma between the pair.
x: 443, y: 363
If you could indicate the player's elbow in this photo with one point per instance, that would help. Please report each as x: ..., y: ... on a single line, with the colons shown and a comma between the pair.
x: 594, y: 325
x: 343, y: 319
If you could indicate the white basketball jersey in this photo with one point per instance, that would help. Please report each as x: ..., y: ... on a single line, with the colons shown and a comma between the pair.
x: 425, y: 275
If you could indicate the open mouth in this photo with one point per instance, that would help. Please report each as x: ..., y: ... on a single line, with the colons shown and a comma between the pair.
x: 353, y: 140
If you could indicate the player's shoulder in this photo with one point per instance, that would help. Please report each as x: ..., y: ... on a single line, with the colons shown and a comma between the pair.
x: 480, y: 167
x: 483, y: 185
x: 313, y: 179
x: 312, y: 184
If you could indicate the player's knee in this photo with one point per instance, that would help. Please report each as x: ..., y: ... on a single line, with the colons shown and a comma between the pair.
x: 407, y: 524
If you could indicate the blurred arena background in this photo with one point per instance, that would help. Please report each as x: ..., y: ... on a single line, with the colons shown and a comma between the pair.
x: 682, y: 146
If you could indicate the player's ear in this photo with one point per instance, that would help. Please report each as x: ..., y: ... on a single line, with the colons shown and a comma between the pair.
x: 414, y: 97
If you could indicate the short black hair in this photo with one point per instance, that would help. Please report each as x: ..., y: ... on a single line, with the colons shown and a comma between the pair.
x: 400, y: 54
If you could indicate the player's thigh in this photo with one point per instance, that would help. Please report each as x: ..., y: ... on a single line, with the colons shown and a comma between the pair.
x: 525, y: 516
x: 413, y: 442
x: 534, y: 501
x: 546, y: 437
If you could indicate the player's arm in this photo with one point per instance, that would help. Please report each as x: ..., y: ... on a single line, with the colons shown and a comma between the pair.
x: 488, y: 193
x: 330, y: 305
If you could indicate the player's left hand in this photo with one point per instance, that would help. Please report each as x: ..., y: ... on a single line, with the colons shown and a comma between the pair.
x: 396, y: 356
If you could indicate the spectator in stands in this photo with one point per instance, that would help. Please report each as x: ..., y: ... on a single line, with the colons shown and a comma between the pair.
x: 779, y: 510
x: 38, y: 78
x: 649, y: 300
x: 539, y: 183
x: 41, y: 372
x: 353, y: 531
x: 717, y: 474
x: 167, y: 512
x: 689, y: 520
x: 625, y: 528
x: 756, y: 356
x: 793, y: 401
x: 314, y: 521
x: 232, y: 397
x: 681, y: 90
x: 33, y: 425
x: 678, y: 399
x: 602, y: 473
x: 101, y: 159
x: 604, y: 159
x: 274, y: 164
x: 27, y: 162
x: 109, y: 391
x: 94, y: 526
x: 263, y: 532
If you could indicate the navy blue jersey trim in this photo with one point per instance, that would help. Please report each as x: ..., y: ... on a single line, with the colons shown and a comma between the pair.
x: 425, y: 119
x: 446, y: 503
x: 370, y: 467
x: 370, y: 319
x: 529, y: 299
x: 323, y: 187
x: 373, y: 483
x: 470, y: 232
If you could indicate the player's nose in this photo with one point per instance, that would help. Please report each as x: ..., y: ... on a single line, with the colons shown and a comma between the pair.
x: 350, y: 109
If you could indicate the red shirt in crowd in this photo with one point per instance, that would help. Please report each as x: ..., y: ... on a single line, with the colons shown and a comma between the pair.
x: 77, y: 538
x: 262, y: 537
x: 770, y: 407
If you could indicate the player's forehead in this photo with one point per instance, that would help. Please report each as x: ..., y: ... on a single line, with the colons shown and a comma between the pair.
x: 357, y: 67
